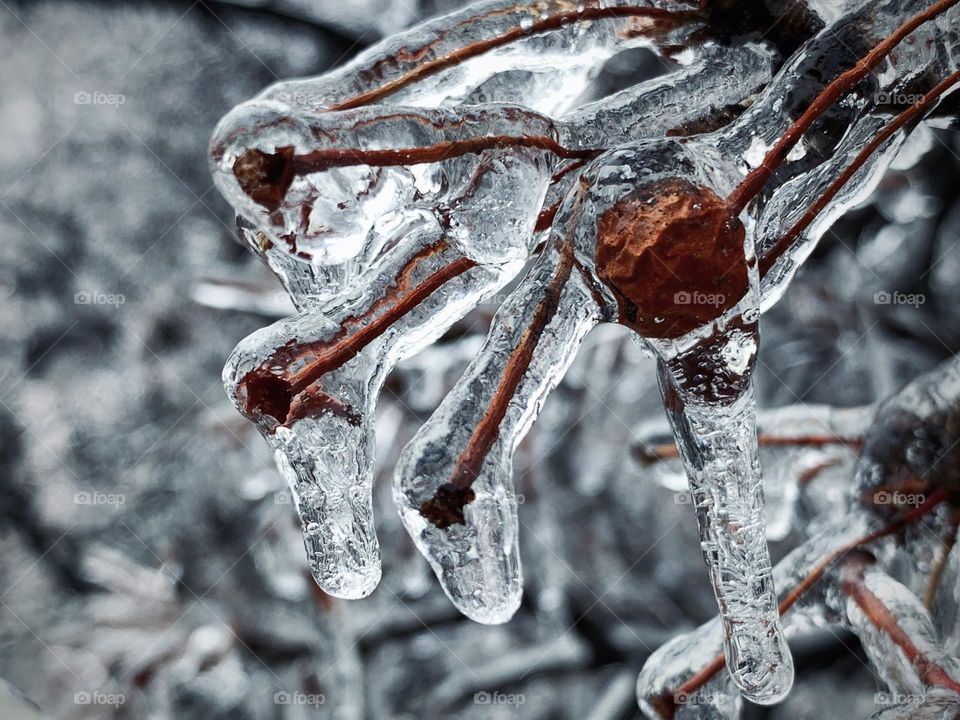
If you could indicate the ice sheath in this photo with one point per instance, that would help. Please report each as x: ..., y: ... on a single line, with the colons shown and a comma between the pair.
x: 468, y: 443
x: 717, y: 440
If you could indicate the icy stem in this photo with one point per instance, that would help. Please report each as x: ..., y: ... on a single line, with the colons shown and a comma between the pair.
x: 896, y: 632
x: 541, y: 53
x: 660, y: 686
x: 713, y: 414
x: 454, y: 484
x: 681, y: 678
x: 310, y: 383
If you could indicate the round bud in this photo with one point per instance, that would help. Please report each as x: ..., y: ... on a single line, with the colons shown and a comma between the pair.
x: 673, y: 254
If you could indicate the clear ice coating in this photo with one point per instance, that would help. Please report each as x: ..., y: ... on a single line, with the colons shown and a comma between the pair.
x: 782, y: 244
x: 800, y: 446
x: 365, y: 213
x: 467, y: 526
x: 392, y: 196
x: 882, y: 612
x: 719, y: 448
x: 828, y: 581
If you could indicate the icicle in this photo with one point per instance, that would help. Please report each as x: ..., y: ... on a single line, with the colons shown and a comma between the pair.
x: 717, y: 440
x: 310, y: 383
x: 685, y: 671
x: 453, y: 483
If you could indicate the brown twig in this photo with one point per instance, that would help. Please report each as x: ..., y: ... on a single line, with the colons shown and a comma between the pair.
x: 754, y: 182
x: 271, y: 388
x: 854, y: 586
x: 588, y: 12
x: 445, y: 508
x: 265, y: 177
x: 770, y: 257
x: 669, y: 451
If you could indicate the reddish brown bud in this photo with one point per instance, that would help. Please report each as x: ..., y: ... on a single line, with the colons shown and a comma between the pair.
x: 265, y: 177
x: 673, y: 254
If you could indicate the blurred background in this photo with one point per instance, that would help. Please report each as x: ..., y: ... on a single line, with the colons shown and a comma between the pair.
x: 150, y: 557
